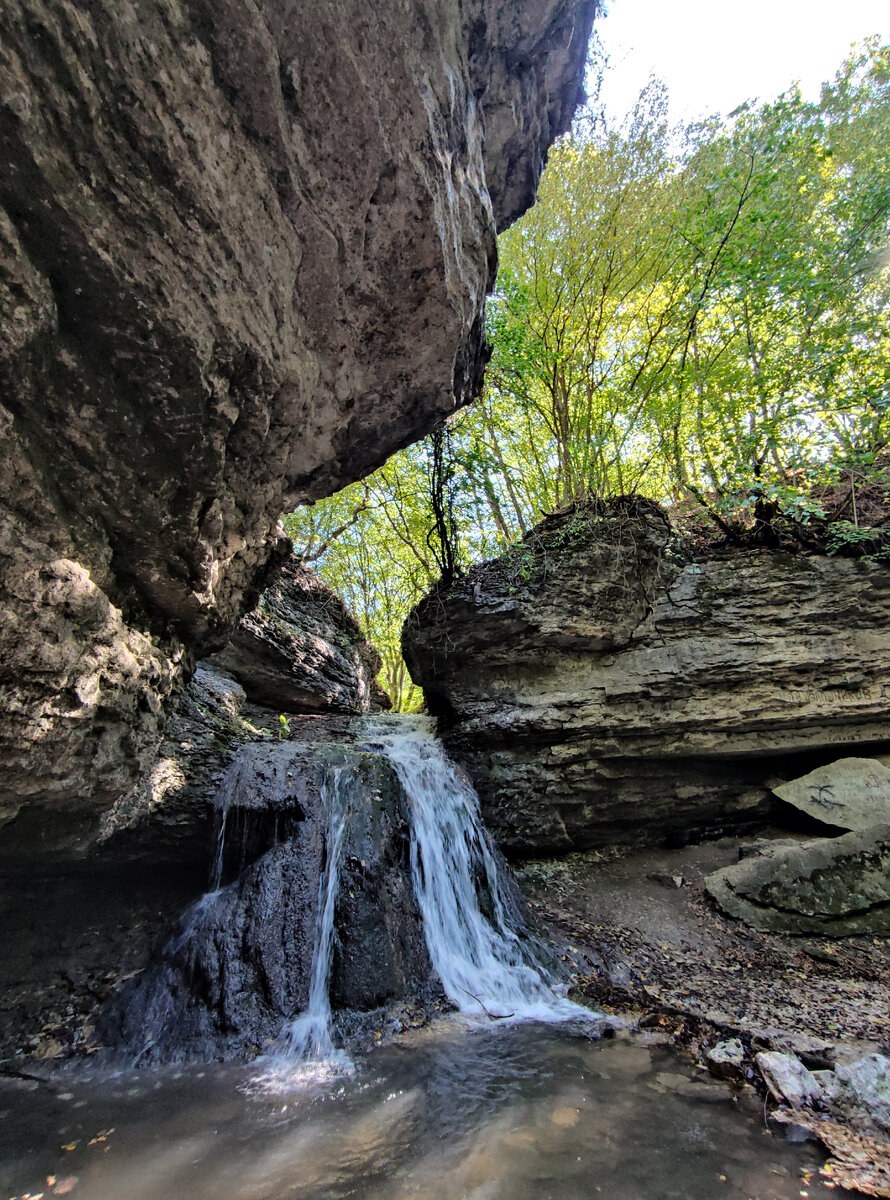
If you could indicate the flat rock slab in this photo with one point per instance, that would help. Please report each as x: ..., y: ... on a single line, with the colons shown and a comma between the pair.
x: 830, y: 886
x: 852, y: 793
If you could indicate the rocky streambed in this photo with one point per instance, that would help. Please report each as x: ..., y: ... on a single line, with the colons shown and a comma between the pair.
x: 756, y: 1008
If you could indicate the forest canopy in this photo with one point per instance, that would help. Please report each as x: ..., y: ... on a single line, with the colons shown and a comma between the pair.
x: 696, y: 314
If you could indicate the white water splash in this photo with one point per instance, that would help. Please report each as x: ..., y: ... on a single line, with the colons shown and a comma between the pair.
x: 484, y: 966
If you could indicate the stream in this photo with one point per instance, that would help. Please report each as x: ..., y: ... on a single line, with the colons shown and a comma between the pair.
x: 451, y: 1112
x: 513, y: 1096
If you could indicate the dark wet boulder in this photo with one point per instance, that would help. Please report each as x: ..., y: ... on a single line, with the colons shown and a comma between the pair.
x: 239, y: 965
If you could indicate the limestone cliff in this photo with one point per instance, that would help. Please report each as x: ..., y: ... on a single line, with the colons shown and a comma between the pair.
x: 601, y: 689
x: 244, y: 251
x: 299, y: 651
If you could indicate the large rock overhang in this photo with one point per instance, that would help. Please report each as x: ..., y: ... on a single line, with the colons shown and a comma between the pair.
x: 244, y: 251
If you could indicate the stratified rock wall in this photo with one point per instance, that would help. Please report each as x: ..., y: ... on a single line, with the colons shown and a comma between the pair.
x: 244, y: 251
x: 301, y: 650
x: 600, y: 691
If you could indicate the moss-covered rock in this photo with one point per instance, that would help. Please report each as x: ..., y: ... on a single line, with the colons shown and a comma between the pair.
x: 829, y: 886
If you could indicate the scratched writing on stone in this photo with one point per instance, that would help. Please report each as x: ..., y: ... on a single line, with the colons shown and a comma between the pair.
x: 824, y: 797
x: 833, y: 695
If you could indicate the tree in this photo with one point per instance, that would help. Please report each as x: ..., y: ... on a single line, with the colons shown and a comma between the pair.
x: 696, y: 314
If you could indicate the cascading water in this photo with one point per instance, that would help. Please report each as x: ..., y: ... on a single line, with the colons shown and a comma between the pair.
x: 280, y: 933
x: 305, y: 1051
x: 484, y: 967
x: 308, y: 1037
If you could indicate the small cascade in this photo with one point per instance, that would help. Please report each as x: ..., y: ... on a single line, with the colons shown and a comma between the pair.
x: 346, y: 876
x: 308, y: 1038
x: 485, y: 968
x: 216, y: 871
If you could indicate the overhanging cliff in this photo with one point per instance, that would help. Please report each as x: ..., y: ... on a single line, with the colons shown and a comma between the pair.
x: 244, y: 252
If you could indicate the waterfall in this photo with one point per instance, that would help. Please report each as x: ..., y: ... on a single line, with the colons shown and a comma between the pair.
x: 305, y: 1049
x: 308, y: 1036
x: 486, y: 969
x: 484, y: 966
x: 292, y: 821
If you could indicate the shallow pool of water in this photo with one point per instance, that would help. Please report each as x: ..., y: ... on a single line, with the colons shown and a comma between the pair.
x: 520, y: 1113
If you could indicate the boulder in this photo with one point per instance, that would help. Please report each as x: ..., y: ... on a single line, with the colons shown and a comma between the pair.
x: 602, y: 687
x: 788, y: 1079
x: 726, y: 1060
x: 852, y: 793
x: 240, y: 962
x: 301, y: 650
x: 244, y: 253
x: 856, y: 1094
x: 860, y: 1093
x: 828, y: 886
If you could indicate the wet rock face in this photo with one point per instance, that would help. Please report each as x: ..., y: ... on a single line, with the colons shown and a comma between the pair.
x: 167, y: 817
x: 298, y: 651
x: 600, y: 691
x: 239, y: 965
x: 243, y: 257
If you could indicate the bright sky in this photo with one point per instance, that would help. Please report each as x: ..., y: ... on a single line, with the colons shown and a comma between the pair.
x: 713, y: 54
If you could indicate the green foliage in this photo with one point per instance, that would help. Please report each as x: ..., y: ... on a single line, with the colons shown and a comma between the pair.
x: 698, y: 312
x: 371, y: 543
x: 699, y: 315
x: 862, y: 541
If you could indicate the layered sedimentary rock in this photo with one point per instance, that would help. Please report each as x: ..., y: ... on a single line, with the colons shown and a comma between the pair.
x: 599, y: 688
x: 301, y: 650
x: 166, y: 817
x: 298, y: 651
x: 244, y: 251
